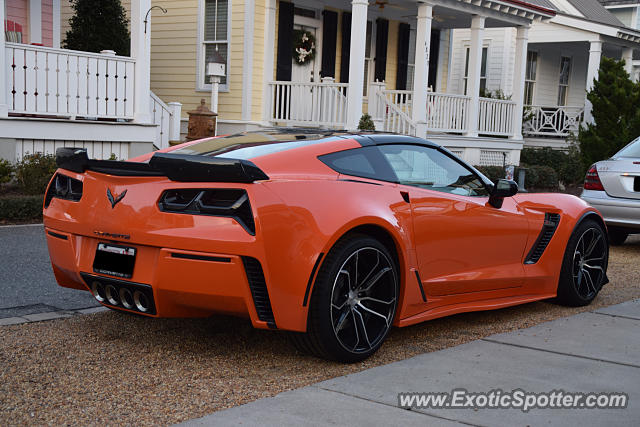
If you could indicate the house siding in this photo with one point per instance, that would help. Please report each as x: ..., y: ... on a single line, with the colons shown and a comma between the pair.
x: 499, y: 59
x: 47, y: 23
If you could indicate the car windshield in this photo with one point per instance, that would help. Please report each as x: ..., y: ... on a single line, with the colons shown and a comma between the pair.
x: 631, y: 150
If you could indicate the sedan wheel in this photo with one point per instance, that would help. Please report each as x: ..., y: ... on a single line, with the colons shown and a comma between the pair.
x: 585, y: 265
x: 353, y: 303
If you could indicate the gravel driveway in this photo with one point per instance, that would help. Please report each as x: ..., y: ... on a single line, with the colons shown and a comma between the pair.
x: 115, y: 368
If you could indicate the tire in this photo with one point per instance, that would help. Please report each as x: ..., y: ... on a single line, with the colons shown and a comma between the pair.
x: 584, y: 267
x: 617, y: 237
x: 353, y: 302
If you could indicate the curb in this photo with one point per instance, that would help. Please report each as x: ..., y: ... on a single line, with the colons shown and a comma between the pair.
x: 51, y: 315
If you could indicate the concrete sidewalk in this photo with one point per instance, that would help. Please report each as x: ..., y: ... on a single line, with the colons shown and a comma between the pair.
x: 590, y: 352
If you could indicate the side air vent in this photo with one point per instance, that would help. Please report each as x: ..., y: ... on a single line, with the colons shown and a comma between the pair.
x: 259, y: 292
x: 551, y: 222
x: 228, y: 202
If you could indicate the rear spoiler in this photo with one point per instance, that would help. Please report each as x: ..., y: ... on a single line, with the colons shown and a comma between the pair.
x: 176, y: 167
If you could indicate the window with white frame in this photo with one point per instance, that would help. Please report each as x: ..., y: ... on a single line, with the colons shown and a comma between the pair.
x: 215, y: 37
x: 563, y: 84
x: 483, y: 70
x: 530, y: 77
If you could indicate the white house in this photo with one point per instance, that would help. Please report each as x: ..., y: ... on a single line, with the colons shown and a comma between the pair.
x: 628, y: 12
x: 52, y: 97
x: 563, y: 57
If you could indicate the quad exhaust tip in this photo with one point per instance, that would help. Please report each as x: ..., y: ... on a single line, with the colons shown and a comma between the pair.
x: 141, y: 301
x: 123, y: 296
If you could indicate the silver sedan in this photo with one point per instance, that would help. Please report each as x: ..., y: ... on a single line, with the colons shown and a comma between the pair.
x: 613, y: 187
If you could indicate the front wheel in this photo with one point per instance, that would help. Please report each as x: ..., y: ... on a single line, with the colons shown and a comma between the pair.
x: 584, y: 267
x: 353, y: 302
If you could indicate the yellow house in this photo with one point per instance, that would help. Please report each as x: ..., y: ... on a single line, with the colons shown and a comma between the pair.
x: 391, y: 59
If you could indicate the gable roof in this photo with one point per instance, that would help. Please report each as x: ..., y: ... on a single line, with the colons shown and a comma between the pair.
x: 594, y: 11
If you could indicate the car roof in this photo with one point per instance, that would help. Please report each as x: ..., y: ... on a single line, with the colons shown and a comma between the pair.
x: 252, y: 144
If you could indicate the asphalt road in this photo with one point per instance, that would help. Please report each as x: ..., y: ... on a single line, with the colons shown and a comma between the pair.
x: 27, y: 285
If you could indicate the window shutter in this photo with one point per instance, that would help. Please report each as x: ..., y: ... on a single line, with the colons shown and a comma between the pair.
x: 346, y: 47
x: 403, y: 56
x: 285, y: 41
x: 329, y: 38
x: 382, y: 38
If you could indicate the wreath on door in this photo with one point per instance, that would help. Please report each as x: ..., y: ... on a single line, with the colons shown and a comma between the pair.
x: 304, y: 46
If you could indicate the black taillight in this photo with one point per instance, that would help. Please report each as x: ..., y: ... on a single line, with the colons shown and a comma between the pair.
x: 227, y: 202
x: 63, y: 187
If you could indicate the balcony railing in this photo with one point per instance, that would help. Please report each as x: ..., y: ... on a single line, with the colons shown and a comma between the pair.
x: 309, y: 104
x: 392, y: 109
x: 45, y: 81
x: 553, y: 121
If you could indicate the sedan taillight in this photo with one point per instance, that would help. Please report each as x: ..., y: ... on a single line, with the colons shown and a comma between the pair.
x: 227, y: 202
x: 63, y: 187
x: 592, y: 180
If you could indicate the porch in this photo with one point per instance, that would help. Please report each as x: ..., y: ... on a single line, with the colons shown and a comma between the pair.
x: 418, y: 102
x: 52, y: 97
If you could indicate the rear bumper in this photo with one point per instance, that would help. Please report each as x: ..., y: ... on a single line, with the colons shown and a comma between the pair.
x: 616, y: 211
x: 182, y: 283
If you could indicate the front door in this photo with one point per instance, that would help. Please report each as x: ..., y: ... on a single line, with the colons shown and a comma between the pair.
x: 462, y: 243
x: 305, y: 73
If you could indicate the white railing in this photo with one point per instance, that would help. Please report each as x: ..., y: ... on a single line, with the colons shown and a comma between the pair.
x: 161, y: 115
x: 495, y: 117
x: 392, y: 110
x: 447, y: 112
x: 554, y: 121
x: 59, y: 82
x: 309, y: 104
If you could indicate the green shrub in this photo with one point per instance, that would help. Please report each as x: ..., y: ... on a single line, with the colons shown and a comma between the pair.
x: 21, y: 208
x: 541, y: 177
x: 366, y: 123
x: 494, y: 173
x: 34, y: 172
x: 616, y: 117
x: 568, y: 166
x: 6, y: 171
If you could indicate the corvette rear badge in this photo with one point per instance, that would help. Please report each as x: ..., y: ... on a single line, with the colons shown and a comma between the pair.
x: 115, y: 199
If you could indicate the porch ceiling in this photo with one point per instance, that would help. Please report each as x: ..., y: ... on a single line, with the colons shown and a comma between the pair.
x: 458, y: 13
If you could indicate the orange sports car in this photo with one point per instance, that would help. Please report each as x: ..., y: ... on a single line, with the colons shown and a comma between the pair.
x: 333, y: 236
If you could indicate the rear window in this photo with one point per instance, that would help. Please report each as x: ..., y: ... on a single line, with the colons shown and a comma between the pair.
x: 631, y: 150
x: 246, y: 146
x: 365, y: 162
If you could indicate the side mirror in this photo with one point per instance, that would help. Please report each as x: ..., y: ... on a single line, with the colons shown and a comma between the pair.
x: 501, y: 189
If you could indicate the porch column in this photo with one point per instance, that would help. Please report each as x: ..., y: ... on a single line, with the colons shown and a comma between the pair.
x: 356, y: 62
x: 141, y: 52
x: 522, y: 38
x: 421, y: 69
x: 473, y: 77
x: 627, y: 55
x: 595, y: 53
x: 35, y: 21
x: 269, y: 49
x: 4, y: 108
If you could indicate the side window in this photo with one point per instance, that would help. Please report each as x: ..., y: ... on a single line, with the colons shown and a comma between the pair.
x: 365, y: 162
x: 431, y: 169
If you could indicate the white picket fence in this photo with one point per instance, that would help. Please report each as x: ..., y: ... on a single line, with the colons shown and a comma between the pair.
x: 555, y: 121
x: 58, y: 82
x: 309, y: 104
